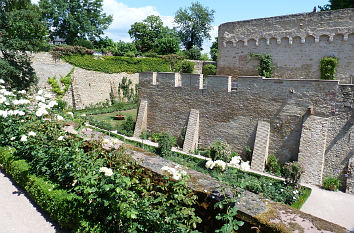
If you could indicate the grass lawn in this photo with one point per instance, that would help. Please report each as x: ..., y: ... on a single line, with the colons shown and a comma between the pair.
x: 108, y: 118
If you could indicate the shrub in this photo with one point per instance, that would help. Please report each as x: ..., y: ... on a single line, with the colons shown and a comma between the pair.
x: 219, y: 150
x: 193, y: 53
x: 60, y: 51
x: 83, y: 43
x: 187, y: 67
x: 209, y: 69
x: 328, y: 67
x: 331, y: 183
x: 109, y: 64
x: 166, y: 142
x: 292, y: 172
x: 155, y: 137
x: 265, y: 67
x: 128, y: 126
x: 273, y: 165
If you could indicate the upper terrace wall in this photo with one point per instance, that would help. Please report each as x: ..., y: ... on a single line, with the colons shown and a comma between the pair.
x: 296, y: 43
x: 232, y: 115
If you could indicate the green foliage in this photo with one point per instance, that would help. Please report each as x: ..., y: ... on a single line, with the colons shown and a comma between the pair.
x: 194, y: 25
x: 119, y: 64
x: 83, y: 43
x: 21, y: 30
x: 248, y: 153
x: 204, y: 57
x: 331, y: 183
x: 265, y: 68
x: 155, y: 137
x: 231, y: 224
x: 59, y: 51
x: 129, y: 126
x: 219, y: 150
x: 102, y: 108
x: 122, y: 48
x: 75, y: 19
x: 167, y: 45
x: 292, y: 172
x: 187, y: 67
x: 66, y: 81
x: 273, y: 165
x: 214, y: 50
x: 166, y: 142
x: 328, y: 68
x: 173, y: 59
x: 337, y: 4
x: 306, y: 192
x: 126, y: 90
x: 193, y: 53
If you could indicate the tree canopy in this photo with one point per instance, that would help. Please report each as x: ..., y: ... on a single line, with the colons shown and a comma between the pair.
x: 337, y: 4
x: 151, y: 35
x: 194, y: 25
x: 21, y: 30
x: 214, y: 50
x: 75, y: 19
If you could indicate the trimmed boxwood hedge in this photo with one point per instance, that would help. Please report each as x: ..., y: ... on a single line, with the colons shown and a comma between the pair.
x: 62, y: 206
x: 111, y: 64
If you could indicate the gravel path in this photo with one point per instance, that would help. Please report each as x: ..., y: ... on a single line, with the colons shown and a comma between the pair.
x: 18, y: 214
x: 336, y: 207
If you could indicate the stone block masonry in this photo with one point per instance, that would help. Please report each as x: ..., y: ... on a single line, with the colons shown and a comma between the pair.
x: 192, y: 132
x: 141, y: 119
x: 295, y: 42
x: 261, y: 145
x: 233, y: 116
x: 312, y: 148
x: 350, y: 178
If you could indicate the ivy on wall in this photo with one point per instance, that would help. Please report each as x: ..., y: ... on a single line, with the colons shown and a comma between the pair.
x: 328, y: 67
x: 265, y: 67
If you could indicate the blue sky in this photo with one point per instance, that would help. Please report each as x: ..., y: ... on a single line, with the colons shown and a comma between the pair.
x: 126, y: 12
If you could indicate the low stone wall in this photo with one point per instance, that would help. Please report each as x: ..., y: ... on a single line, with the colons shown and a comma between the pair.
x: 199, y: 65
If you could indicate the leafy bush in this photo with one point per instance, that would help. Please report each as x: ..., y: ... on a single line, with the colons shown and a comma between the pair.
x: 219, y: 150
x: 331, y: 183
x: 128, y: 126
x: 166, y: 142
x: 109, y: 64
x: 155, y: 137
x: 60, y: 51
x: 328, y: 67
x: 292, y: 172
x: 265, y: 67
x: 193, y: 53
x: 83, y: 43
x: 209, y: 69
x: 273, y: 165
x: 187, y: 67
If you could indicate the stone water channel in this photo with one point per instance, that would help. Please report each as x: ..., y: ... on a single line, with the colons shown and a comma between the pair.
x: 254, y: 210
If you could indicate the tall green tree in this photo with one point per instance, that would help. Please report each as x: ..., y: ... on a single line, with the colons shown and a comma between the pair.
x: 75, y: 19
x: 194, y: 25
x: 214, y: 50
x: 152, y: 35
x: 21, y: 31
x: 337, y: 4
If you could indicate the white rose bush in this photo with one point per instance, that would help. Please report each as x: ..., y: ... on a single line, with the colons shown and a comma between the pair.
x: 83, y: 187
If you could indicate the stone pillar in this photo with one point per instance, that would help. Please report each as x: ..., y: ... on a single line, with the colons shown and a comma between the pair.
x: 141, y: 121
x: 350, y: 178
x: 312, y: 148
x: 261, y: 145
x: 192, y: 132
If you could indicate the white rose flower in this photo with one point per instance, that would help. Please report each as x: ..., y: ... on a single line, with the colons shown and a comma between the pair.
x: 106, y: 171
x: 52, y: 103
x: 40, y: 98
x: 60, y: 118
x: 71, y: 114
x: 33, y: 134
x: 41, y: 111
x: 40, y: 92
x: 48, y: 95
x: 245, y: 166
x: 3, y: 113
x: 177, y: 176
x: 22, y: 92
x: 2, y: 99
x: 23, y: 138
x: 13, y: 138
x: 209, y: 164
x: 221, y: 164
x: 2, y: 81
x: 60, y: 138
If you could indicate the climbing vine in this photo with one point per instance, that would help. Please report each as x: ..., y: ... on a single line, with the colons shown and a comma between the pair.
x: 265, y: 67
x: 126, y: 91
x: 328, y: 67
x: 65, y: 81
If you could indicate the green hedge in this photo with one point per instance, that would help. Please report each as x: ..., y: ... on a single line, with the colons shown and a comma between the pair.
x: 63, y: 207
x: 110, y: 64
